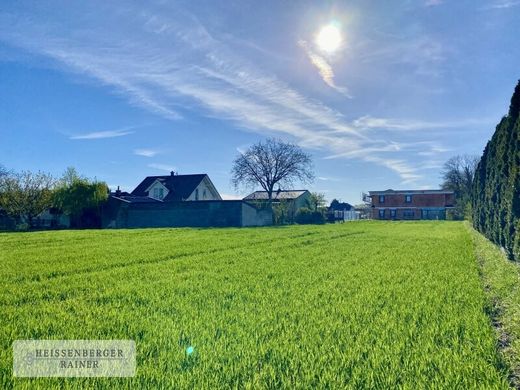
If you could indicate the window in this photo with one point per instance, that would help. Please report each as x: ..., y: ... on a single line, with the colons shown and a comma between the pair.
x: 381, y: 199
x: 381, y: 213
x: 408, y: 198
x: 204, y: 194
x: 197, y: 194
x: 408, y: 214
x: 393, y: 213
x: 158, y: 193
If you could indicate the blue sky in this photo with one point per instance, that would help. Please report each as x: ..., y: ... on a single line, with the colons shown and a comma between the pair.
x: 122, y: 90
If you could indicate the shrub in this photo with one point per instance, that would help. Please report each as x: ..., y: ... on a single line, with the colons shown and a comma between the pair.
x: 496, y: 189
x: 305, y: 216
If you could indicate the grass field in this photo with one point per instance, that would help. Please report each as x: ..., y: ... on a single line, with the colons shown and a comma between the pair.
x: 501, y: 280
x: 359, y: 305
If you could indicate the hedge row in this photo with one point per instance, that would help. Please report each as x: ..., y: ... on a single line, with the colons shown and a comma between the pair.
x: 496, y: 188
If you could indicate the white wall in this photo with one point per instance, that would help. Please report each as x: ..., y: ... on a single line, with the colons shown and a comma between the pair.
x: 157, y: 184
x: 204, y: 186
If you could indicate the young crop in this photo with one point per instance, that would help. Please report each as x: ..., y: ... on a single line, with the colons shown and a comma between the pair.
x: 358, y: 305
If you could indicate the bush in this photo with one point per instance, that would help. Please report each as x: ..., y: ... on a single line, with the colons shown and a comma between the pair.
x: 496, y: 189
x: 305, y: 216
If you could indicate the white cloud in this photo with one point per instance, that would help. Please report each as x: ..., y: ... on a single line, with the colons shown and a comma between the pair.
x: 324, y: 69
x: 502, y: 4
x: 146, y: 152
x: 369, y: 122
x: 102, y: 134
x: 325, y: 178
x: 203, y: 72
x: 162, y: 167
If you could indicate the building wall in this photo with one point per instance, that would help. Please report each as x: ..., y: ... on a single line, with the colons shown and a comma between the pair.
x: 254, y: 216
x: 430, y: 213
x: 158, y: 184
x: 418, y: 200
x: 184, y: 214
x: 204, y: 186
x: 304, y: 200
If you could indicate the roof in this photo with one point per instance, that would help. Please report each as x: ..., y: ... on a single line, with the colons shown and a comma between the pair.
x: 408, y: 192
x: 277, y: 195
x: 135, y: 199
x: 180, y: 187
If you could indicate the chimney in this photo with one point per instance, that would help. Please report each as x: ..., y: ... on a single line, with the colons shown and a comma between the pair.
x: 118, y: 191
x: 172, y: 173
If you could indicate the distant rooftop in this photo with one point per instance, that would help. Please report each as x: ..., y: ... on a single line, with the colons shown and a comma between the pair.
x: 277, y: 195
x: 180, y: 187
x: 404, y: 192
x: 126, y: 197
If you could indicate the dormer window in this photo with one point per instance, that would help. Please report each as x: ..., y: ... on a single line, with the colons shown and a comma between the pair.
x: 158, y: 193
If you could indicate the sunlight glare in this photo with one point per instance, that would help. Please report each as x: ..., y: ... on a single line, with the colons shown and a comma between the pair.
x: 329, y: 38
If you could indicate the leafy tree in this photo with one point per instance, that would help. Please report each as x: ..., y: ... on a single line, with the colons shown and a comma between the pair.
x: 317, y: 201
x: 458, y: 174
x: 496, y: 188
x: 337, y: 205
x: 24, y: 195
x: 79, y: 197
x: 272, y: 163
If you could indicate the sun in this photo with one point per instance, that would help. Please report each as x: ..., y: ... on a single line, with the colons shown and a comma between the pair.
x: 329, y: 38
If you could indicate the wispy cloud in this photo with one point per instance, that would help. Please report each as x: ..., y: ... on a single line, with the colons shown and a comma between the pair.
x: 325, y: 178
x: 103, y: 134
x: 146, y: 152
x: 369, y: 122
x: 162, y: 167
x: 433, y: 3
x: 502, y: 4
x: 324, y: 68
x: 203, y: 72
x: 425, y: 55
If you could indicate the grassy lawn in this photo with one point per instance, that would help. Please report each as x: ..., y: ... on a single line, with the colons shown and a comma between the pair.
x: 356, y: 305
x: 501, y: 279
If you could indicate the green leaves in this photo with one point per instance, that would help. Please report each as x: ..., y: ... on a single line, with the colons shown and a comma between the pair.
x: 496, y: 189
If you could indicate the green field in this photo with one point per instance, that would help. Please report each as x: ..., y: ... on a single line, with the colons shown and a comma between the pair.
x: 354, y: 305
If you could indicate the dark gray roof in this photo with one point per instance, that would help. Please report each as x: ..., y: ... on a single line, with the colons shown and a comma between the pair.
x: 180, y: 187
x: 277, y: 195
x: 404, y: 192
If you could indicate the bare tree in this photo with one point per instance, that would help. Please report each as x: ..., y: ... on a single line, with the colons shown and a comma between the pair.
x: 270, y: 163
x: 458, y: 174
x: 25, y: 195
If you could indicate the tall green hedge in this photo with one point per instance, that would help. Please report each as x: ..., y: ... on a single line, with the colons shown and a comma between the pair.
x: 496, y: 188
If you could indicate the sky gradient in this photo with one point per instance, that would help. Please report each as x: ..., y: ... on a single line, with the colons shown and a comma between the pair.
x: 123, y: 90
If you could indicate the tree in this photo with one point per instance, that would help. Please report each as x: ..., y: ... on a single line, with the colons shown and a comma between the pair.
x: 340, y: 206
x: 496, y: 188
x: 317, y: 201
x: 80, y: 198
x: 23, y: 196
x: 458, y: 174
x: 272, y: 163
